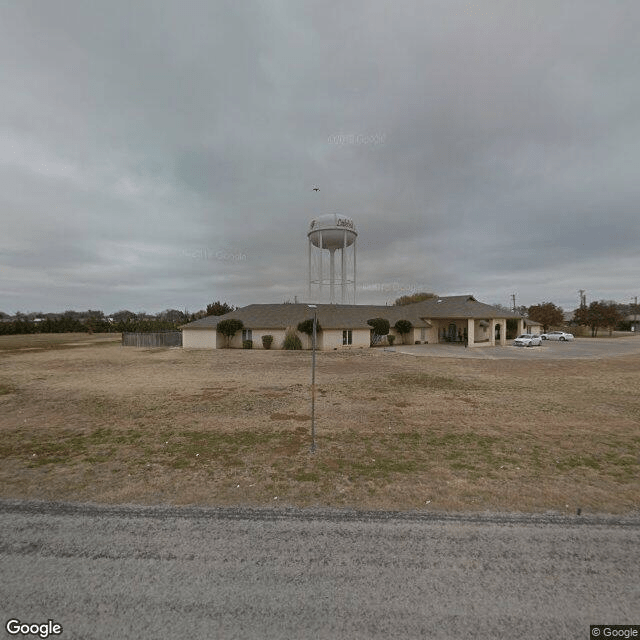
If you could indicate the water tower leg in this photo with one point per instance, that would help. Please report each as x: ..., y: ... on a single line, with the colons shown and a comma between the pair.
x: 332, y: 275
x: 320, y: 281
x: 354, y: 272
x: 342, y: 268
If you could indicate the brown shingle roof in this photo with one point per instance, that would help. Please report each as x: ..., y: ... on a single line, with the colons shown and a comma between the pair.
x: 338, y: 316
x: 458, y: 307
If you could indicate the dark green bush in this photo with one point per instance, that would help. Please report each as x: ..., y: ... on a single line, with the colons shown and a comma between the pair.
x: 228, y: 328
x: 292, y: 341
x: 403, y: 327
x: 306, y: 326
x: 380, y: 326
x: 267, y: 341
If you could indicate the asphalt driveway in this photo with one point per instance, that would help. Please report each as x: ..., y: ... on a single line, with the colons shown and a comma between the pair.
x: 580, y: 348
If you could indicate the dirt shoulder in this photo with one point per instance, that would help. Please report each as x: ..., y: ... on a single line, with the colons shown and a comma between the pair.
x: 97, y: 422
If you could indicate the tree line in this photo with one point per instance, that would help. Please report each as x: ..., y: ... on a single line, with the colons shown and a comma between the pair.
x: 600, y: 314
x: 93, y: 321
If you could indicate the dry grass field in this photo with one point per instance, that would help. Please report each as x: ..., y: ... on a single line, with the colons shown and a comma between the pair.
x: 84, y: 419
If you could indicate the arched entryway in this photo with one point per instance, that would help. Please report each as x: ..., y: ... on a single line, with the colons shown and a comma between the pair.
x: 498, y: 333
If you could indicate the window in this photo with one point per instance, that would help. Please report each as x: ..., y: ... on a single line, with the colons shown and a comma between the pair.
x: 347, y: 337
x: 246, y: 335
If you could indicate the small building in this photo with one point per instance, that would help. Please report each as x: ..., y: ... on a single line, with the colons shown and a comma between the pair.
x: 454, y: 319
x: 634, y: 321
x: 531, y: 326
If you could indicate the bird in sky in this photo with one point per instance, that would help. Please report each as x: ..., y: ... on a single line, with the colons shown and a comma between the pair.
x: 316, y: 189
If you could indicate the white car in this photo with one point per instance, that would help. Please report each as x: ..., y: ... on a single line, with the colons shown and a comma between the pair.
x: 557, y: 335
x: 527, y: 340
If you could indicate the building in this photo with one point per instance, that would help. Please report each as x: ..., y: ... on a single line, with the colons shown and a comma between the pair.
x: 532, y: 326
x: 634, y: 321
x: 460, y: 319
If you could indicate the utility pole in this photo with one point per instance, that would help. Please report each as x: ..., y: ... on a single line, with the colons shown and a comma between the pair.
x: 513, y: 304
x: 313, y: 377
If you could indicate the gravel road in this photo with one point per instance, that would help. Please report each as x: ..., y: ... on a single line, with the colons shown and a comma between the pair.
x: 163, y: 572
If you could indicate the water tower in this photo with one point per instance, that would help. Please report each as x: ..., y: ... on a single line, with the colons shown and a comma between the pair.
x: 330, y: 233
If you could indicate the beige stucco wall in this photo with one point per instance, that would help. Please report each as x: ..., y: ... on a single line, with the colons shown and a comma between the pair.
x: 332, y: 339
x: 208, y: 339
x: 256, y: 336
x: 481, y: 335
x: 279, y: 336
x: 199, y: 338
x: 409, y: 338
x: 432, y: 335
x: 503, y: 331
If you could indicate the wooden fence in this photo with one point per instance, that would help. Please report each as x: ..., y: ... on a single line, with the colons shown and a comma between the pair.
x: 159, y: 339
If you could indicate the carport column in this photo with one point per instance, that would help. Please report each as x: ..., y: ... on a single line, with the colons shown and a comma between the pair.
x: 520, y: 326
x: 471, y: 336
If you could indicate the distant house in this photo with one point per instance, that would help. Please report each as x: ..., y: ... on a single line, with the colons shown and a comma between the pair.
x: 531, y: 326
x: 458, y: 319
x: 634, y: 321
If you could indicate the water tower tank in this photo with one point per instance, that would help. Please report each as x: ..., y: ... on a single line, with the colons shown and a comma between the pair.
x: 332, y: 232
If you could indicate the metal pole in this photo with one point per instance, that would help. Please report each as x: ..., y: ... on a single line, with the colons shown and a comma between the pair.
x: 342, y: 266
x: 309, y: 291
x: 320, y: 281
x: 332, y: 275
x: 354, y: 271
x: 313, y: 385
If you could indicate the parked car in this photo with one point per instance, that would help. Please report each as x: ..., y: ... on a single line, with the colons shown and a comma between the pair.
x: 557, y: 335
x: 527, y: 340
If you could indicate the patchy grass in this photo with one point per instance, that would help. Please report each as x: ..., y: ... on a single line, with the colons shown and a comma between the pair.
x: 171, y: 426
x: 6, y: 388
x: 415, y: 381
x: 48, y: 341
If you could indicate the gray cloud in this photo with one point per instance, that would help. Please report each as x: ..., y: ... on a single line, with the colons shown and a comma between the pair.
x: 158, y: 154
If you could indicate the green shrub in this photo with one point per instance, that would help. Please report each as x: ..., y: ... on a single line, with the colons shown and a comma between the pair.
x: 267, y: 341
x: 247, y: 344
x: 306, y: 326
x: 390, y: 339
x: 292, y: 341
x: 228, y: 328
x: 403, y: 327
x: 380, y: 326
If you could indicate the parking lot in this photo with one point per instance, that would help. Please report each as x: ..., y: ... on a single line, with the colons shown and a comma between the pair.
x: 580, y: 348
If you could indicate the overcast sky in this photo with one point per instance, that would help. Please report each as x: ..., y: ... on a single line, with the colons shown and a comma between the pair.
x: 158, y: 154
